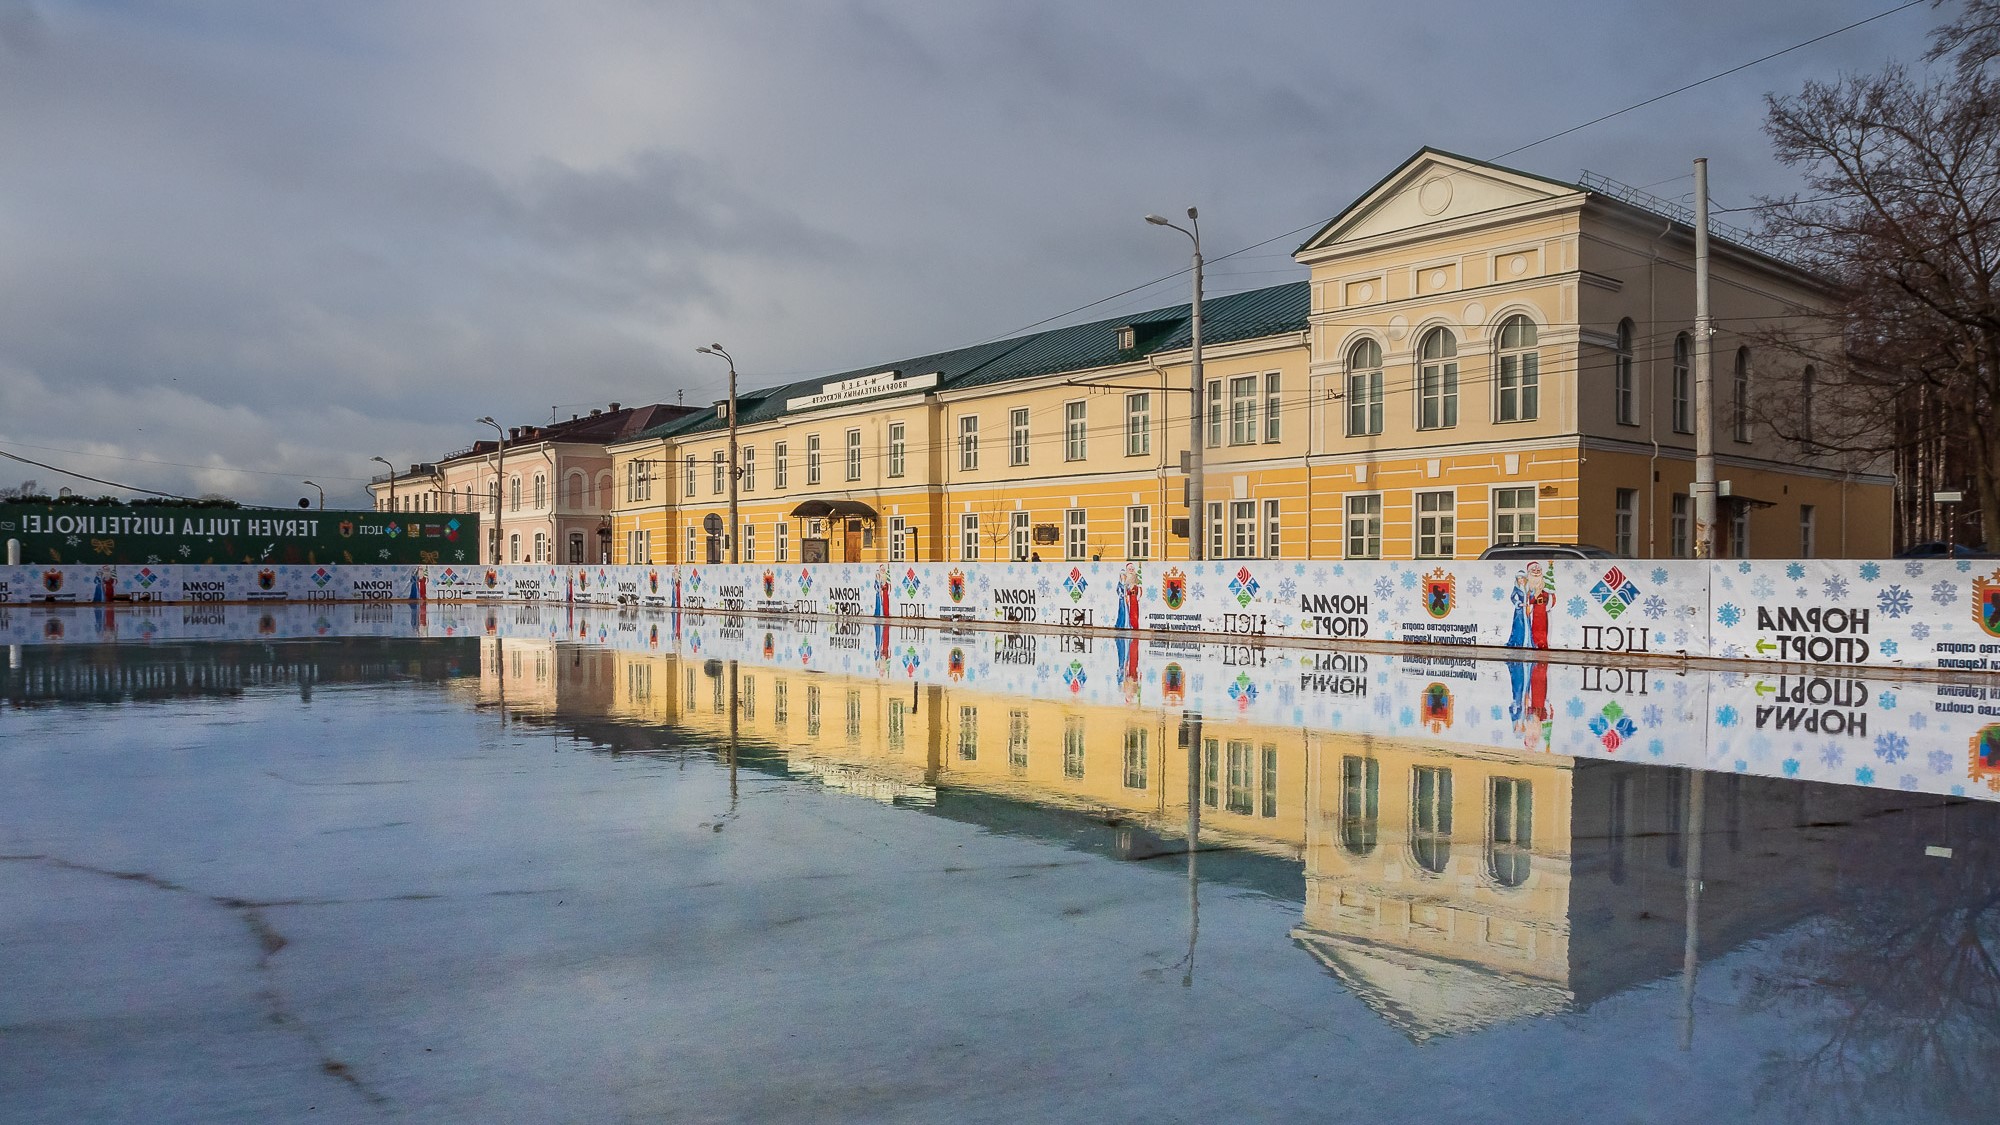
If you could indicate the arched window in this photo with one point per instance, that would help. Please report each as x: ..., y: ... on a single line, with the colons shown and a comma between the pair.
x: 541, y: 547
x: 541, y: 490
x: 1364, y: 389
x: 1430, y: 818
x: 1622, y: 397
x: 1741, y: 417
x: 1437, y: 380
x: 1510, y: 835
x: 1360, y: 792
x: 576, y: 489
x: 514, y: 547
x: 1520, y: 371
x: 493, y: 486
x: 1808, y: 386
x: 514, y: 493
x: 1683, y: 389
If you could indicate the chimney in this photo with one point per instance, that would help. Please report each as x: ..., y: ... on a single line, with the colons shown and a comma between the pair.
x: 614, y: 408
x: 594, y: 412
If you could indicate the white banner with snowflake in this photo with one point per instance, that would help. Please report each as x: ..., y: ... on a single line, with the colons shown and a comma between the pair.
x: 1935, y: 613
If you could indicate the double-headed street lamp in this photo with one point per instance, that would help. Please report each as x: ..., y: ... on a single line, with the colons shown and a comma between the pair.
x: 1196, y: 532
x: 499, y: 481
x: 392, y: 480
x: 735, y: 528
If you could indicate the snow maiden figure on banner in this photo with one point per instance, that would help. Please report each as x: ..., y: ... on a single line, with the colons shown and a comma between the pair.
x: 1534, y: 593
x: 882, y: 590
x: 1128, y: 597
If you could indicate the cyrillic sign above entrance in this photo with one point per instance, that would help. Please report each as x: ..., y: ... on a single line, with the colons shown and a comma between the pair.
x: 866, y: 386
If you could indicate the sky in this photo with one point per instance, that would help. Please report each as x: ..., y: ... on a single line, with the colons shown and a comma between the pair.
x: 244, y: 244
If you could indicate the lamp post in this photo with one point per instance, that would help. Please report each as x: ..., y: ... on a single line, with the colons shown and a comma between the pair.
x: 322, y: 494
x: 735, y: 526
x: 499, y: 481
x: 392, y: 480
x: 1197, y: 534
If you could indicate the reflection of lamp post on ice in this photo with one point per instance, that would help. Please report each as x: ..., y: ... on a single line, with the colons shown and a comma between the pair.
x: 1945, y: 500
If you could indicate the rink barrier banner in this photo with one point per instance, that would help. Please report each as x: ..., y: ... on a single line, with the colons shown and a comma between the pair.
x: 1849, y: 727
x: 1855, y: 613
x: 156, y: 534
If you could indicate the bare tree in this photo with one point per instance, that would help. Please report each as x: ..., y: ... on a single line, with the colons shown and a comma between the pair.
x: 1902, y: 214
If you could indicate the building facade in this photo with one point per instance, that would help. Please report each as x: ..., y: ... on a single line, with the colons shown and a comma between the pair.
x: 1479, y: 356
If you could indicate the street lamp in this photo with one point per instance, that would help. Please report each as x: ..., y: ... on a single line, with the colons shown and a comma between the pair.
x: 1196, y: 532
x: 322, y: 494
x: 392, y: 480
x: 735, y: 527
x: 499, y: 481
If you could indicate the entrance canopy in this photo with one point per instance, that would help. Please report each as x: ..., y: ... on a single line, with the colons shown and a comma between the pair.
x: 834, y: 510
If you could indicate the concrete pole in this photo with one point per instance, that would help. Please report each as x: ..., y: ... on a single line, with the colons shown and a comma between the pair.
x: 1197, y: 541
x: 1704, y: 377
x: 735, y: 529
x: 1691, y: 939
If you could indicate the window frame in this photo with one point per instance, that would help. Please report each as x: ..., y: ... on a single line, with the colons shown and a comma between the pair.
x: 1243, y: 410
x: 1021, y: 535
x: 812, y: 459
x: 1517, y: 371
x: 1364, y: 389
x: 749, y: 477
x: 1139, y: 424
x: 968, y: 443
x: 1076, y: 534
x: 968, y: 537
x: 1496, y: 512
x: 853, y: 454
x: 899, y: 441
x: 1625, y: 522
x: 780, y: 464
x: 1437, y: 381
x: 1442, y: 532
x: 1680, y: 401
x: 1139, y: 531
x: 1273, y: 407
x: 1624, y: 410
x: 1356, y: 505
x: 1020, y: 436
x: 1076, y: 430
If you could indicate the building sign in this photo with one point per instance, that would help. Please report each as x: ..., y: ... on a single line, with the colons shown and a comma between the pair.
x: 866, y: 386
x: 123, y: 534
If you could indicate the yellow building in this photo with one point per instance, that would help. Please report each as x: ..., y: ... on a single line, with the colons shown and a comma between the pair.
x: 1478, y: 356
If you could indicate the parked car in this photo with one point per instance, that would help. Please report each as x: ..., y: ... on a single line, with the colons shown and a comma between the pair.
x: 1548, y: 551
x: 1938, y: 549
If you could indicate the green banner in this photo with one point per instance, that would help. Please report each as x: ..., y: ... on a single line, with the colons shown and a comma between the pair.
x: 108, y: 533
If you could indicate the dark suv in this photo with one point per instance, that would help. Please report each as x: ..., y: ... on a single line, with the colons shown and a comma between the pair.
x: 1547, y: 551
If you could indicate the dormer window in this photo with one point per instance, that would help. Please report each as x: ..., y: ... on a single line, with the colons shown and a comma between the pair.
x: 1128, y: 337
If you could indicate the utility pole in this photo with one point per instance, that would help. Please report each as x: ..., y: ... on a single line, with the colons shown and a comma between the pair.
x: 1197, y: 532
x: 1704, y: 377
x: 735, y: 469
x: 499, y: 487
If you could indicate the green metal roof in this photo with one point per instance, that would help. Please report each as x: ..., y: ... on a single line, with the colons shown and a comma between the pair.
x: 1270, y: 311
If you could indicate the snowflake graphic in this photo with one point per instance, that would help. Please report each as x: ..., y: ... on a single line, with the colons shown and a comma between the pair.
x: 1654, y: 607
x: 1729, y: 613
x: 1794, y: 571
x: 384, y: 552
x: 73, y: 540
x: 1894, y: 601
x: 1384, y: 587
x: 1726, y: 716
x: 1574, y: 708
x: 1832, y: 756
x: 1889, y: 648
x: 1474, y: 587
x: 1892, y: 747
x: 186, y: 550
x: 1197, y: 591
x: 1864, y: 776
x: 1659, y: 576
x: 1743, y: 568
x: 1761, y: 587
x: 1656, y: 747
x: 1651, y: 715
x: 1287, y: 589
x: 1907, y: 781
x: 1680, y: 638
x: 1870, y: 571
x: 1409, y: 580
x: 1913, y: 569
x: 1886, y: 701
x: 1918, y: 720
x: 1742, y: 766
x: 1835, y: 587
x: 1944, y: 593
x: 1941, y: 761
x: 1577, y: 607
x: 1791, y: 767
x: 1920, y: 631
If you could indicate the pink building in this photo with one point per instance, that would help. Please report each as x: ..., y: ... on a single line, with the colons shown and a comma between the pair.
x: 552, y: 500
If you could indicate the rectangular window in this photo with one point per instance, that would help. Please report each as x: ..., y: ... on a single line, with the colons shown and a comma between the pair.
x: 1074, y: 431
x: 1739, y: 532
x: 1211, y: 772
x: 721, y: 471
x: 1218, y: 532
x: 779, y: 464
x: 1214, y: 413
x: 1520, y: 386
x: 1364, y: 397
x: 749, y: 542
x: 1138, y: 425
x: 1680, y: 537
x: 1625, y: 522
x: 1017, y: 741
x: 812, y: 710
x: 1513, y: 515
x: 1621, y: 390
x: 1076, y: 533
x: 780, y: 534
x: 898, y: 448
x: 749, y: 467
x: 854, y: 455
x: 898, y: 725
x: 781, y: 702
x: 1437, y: 395
x: 1360, y: 804
x: 1364, y: 527
x: 1267, y: 805
x: 639, y: 548
x: 899, y: 550
x: 1683, y: 401
x: 1136, y: 739
x: 1139, y: 532
x: 968, y: 733
x: 1272, y: 411
x: 1073, y: 747
x: 1273, y: 531
x: 1017, y: 436
x: 1242, y: 778
x: 968, y: 442
x: 852, y: 729
x: 1806, y: 529
x: 746, y: 699
x: 1243, y: 529
x: 690, y: 474
x: 692, y: 543
x: 1437, y: 525
x: 812, y: 458
x: 1243, y: 410
x: 1021, y: 545
x: 968, y: 537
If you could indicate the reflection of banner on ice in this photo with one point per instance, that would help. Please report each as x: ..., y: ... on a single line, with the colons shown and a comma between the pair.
x: 1530, y: 712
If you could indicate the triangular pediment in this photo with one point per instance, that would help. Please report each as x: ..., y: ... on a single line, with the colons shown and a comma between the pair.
x: 1425, y: 997
x: 1430, y: 188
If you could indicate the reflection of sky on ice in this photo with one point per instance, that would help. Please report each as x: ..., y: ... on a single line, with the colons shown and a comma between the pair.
x: 482, y: 920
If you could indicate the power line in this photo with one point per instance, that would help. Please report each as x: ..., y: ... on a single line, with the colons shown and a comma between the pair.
x: 93, y: 480
x: 180, y: 464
